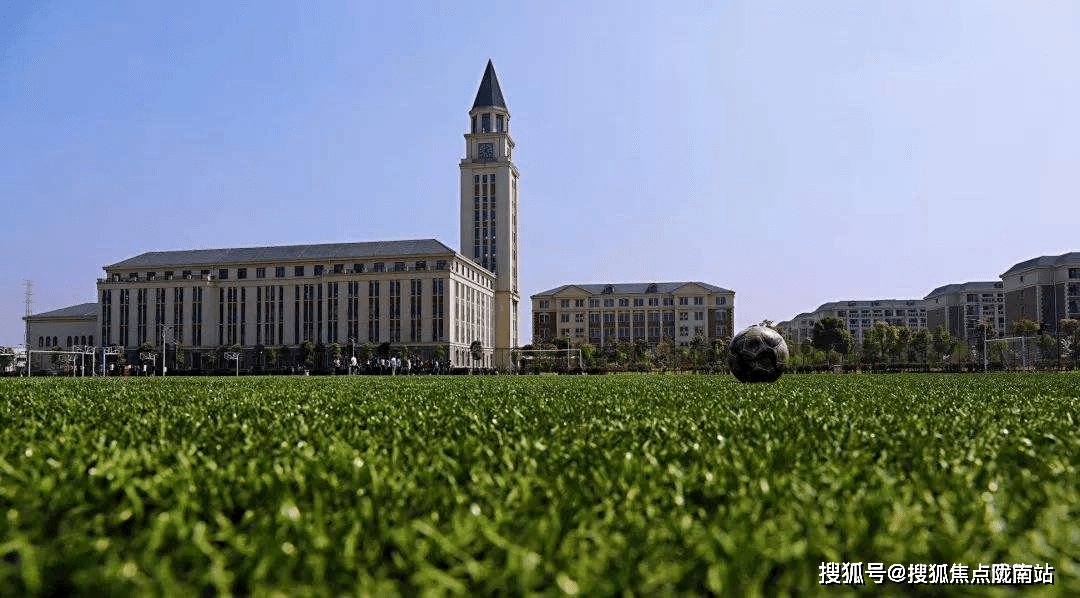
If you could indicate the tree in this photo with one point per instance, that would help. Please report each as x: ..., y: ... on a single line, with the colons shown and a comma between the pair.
x: 180, y: 357
x: 440, y: 353
x: 941, y: 341
x: 367, y: 351
x: 271, y: 355
x: 476, y: 349
x: 1025, y: 326
x: 307, y: 353
x: 335, y: 354
x: 1071, y: 329
x: 920, y: 345
x: 699, y: 345
x: 832, y: 334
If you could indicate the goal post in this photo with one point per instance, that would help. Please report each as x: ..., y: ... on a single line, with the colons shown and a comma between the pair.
x: 571, y: 358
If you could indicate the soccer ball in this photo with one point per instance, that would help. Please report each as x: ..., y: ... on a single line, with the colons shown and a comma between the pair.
x: 757, y: 354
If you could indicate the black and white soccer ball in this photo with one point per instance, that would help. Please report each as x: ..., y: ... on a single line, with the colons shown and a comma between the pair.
x: 757, y: 354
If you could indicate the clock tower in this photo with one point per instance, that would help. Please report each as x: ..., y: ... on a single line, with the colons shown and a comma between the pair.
x: 489, y: 206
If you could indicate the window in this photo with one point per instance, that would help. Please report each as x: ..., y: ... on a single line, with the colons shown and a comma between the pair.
x: 473, y: 128
x: 498, y: 123
x: 320, y: 270
x: 699, y: 315
x: 339, y: 268
x: 579, y: 303
x: 594, y: 303
x: 564, y: 303
x: 684, y: 315
x: 379, y: 267
x: 564, y: 317
x: 298, y: 270
x: 440, y: 264
x: 653, y: 301
x: 1074, y: 272
x: 579, y: 317
x: 186, y: 274
x: 669, y: 301
x: 684, y: 300
x: 357, y: 268
x: 639, y: 302
x: 699, y: 301
x: 485, y: 123
x: 241, y: 273
x: 651, y: 289
x: 544, y: 304
x: 721, y: 300
x: 260, y: 272
x: 399, y: 266
x: 279, y: 272
x: 421, y: 265
x: 69, y: 341
x: 40, y: 342
x: 609, y: 303
x: 223, y: 273
x: 624, y: 302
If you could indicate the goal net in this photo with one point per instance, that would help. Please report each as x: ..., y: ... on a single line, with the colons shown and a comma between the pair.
x: 549, y: 359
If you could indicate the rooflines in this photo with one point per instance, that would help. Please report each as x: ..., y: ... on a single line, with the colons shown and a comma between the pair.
x: 284, y: 253
x: 1045, y: 261
x: 632, y: 288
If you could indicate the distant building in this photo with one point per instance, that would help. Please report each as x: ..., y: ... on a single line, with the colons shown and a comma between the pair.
x: 960, y: 307
x: 604, y: 314
x: 66, y: 328
x: 859, y: 316
x: 1045, y: 289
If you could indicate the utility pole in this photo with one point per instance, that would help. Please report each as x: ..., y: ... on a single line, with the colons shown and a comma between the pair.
x: 29, y: 307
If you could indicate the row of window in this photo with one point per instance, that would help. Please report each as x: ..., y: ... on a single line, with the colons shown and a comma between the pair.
x: 625, y: 302
x: 49, y: 342
x: 280, y: 271
x: 485, y: 123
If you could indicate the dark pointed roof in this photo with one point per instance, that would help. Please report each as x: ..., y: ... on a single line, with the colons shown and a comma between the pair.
x: 489, y: 94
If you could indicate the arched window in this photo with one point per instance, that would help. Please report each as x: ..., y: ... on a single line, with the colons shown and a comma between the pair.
x: 90, y: 340
x: 55, y: 342
x: 83, y: 341
x: 69, y: 341
x: 40, y: 342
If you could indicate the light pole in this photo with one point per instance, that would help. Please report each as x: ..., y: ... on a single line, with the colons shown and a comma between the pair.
x: 165, y: 330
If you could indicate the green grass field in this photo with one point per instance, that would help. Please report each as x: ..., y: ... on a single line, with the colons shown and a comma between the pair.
x: 589, y: 485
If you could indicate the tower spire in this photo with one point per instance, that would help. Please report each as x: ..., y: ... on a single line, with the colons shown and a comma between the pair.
x: 489, y: 94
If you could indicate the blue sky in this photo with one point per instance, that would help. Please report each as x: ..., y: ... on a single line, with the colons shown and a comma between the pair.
x: 795, y: 152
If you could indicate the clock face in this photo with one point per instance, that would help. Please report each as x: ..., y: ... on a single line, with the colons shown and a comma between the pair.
x: 486, y: 150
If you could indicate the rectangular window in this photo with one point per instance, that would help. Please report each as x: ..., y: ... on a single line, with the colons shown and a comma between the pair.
x: 579, y: 303
x: 699, y: 301
x: 639, y: 302
x: 186, y: 274
x: 320, y: 270
x: 564, y: 303
x: 395, y: 311
x: 624, y: 302
x: 241, y: 273
x: 352, y: 311
x: 379, y: 267
x: 223, y: 274
x: 564, y: 317
x: 357, y: 268
x: 260, y: 272
x: 498, y: 123
x: 1074, y: 272
x: 485, y: 123
x: 140, y: 316
x: 544, y: 304
x: 421, y: 265
x: 609, y: 303
x: 279, y: 272
x: 437, y: 311
x: 684, y: 300
x: 399, y: 266
x: 196, y: 316
x: 373, y: 311
x: 669, y: 301
x: 415, y: 315
x: 298, y: 270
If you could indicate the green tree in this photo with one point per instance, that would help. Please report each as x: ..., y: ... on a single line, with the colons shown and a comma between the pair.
x: 941, y: 341
x: 440, y: 353
x: 832, y: 334
x: 920, y: 345
x: 180, y: 358
x: 367, y: 351
x: 476, y: 350
x: 307, y: 353
x: 335, y: 353
x: 271, y: 355
x: 1025, y: 326
x: 1070, y: 327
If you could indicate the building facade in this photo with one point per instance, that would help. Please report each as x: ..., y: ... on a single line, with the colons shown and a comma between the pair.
x: 605, y: 314
x: 1045, y: 289
x: 68, y: 329
x: 417, y: 293
x: 859, y: 316
x: 959, y: 308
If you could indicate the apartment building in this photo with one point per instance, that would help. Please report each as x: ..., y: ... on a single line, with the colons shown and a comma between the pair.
x: 604, y: 314
x: 1045, y: 289
x: 859, y: 316
x: 959, y: 308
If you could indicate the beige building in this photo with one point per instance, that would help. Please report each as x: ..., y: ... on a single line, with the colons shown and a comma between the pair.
x: 604, y: 314
x: 417, y: 293
x: 1045, y: 289
x: 67, y: 328
x: 859, y: 316
x: 958, y: 308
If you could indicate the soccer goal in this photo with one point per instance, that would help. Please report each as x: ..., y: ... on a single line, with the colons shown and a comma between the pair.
x: 555, y: 358
x: 1013, y: 352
